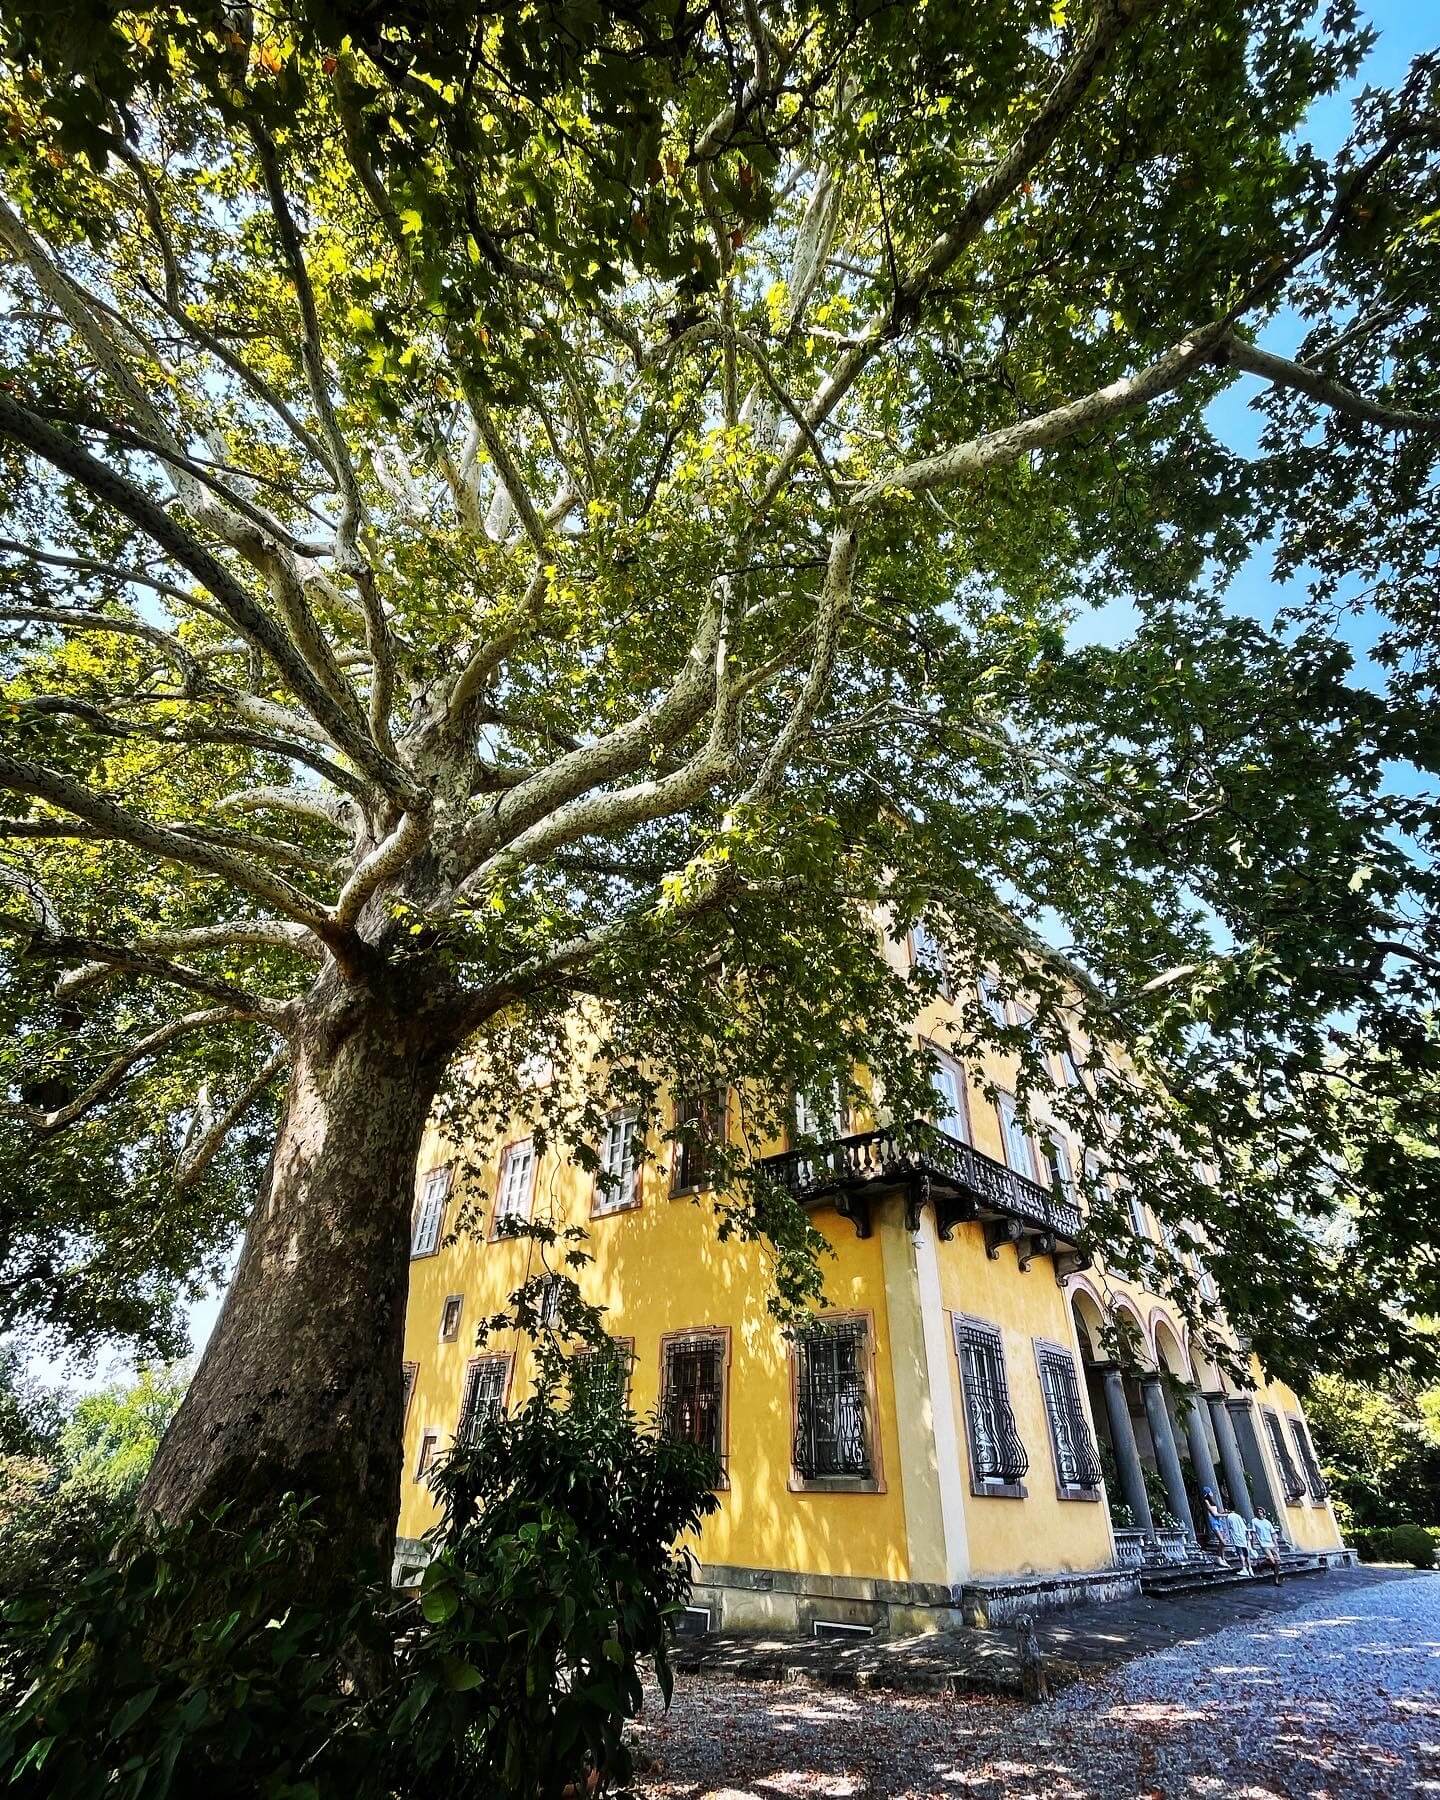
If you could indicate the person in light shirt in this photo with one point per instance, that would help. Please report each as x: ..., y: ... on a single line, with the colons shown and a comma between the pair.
x: 1263, y: 1536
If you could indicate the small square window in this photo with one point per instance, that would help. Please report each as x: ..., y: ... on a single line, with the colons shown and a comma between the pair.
x: 450, y: 1318
x: 423, y: 1463
x: 409, y: 1372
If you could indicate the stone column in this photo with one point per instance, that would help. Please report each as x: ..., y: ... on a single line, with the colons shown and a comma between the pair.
x: 1198, y: 1439
x: 1243, y: 1415
x: 1127, y: 1452
x: 1230, y: 1456
x: 1166, y: 1454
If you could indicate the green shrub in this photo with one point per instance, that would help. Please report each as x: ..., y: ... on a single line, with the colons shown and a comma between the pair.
x: 139, y: 1662
x: 1412, y: 1544
x: 1415, y: 1544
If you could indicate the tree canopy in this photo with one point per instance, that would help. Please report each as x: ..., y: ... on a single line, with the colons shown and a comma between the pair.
x: 554, y: 502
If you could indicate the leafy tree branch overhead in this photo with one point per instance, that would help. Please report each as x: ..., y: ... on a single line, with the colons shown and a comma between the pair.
x: 513, y: 504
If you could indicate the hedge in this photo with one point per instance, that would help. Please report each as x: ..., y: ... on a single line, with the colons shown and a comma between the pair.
x: 1415, y: 1544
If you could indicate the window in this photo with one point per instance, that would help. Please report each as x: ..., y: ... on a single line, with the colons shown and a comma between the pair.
x: 547, y: 1301
x: 408, y: 1373
x: 992, y: 1000
x: 450, y: 1318
x: 1077, y: 1467
x: 1314, y: 1480
x: 617, y: 1182
x: 1290, y: 1477
x: 517, y: 1180
x: 1057, y: 1166
x: 998, y: 1460
x: 1017, y: 1140
x: 1069, y: 1068
x: 535, y: 1071
x: 927, y: 955
x: 832, y: 1401
x: 483, y: 1398
x: 692, y: 1389
x: 423, y: 1462
x: 430, y: 1213
x: 700, y: 1120
x: 600, y: 1378
x: 824, y: 1119
x: 949, y: 1085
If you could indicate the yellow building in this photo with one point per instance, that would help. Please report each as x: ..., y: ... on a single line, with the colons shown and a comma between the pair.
x: 943, y: 1446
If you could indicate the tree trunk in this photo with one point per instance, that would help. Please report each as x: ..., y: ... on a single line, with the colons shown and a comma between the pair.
x: 299, y: 1387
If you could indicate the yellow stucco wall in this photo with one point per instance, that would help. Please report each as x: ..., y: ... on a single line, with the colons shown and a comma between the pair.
x: 661, y: 1268
x: 658, y: 1269
x: 1311, y: 1523
x: 1041, y: 1532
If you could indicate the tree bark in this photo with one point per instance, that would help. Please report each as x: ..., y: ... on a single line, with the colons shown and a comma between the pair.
x: 299, y: 1388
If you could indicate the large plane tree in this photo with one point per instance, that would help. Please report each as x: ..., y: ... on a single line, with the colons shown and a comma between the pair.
x: 509, y: 506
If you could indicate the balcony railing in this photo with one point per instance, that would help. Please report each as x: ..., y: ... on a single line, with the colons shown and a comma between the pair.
x: 920, y: 1153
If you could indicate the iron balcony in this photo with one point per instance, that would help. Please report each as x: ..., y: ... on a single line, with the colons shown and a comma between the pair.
x: 926, y: 1163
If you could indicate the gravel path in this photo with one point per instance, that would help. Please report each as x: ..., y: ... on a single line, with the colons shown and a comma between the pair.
x: 1335, y: 1698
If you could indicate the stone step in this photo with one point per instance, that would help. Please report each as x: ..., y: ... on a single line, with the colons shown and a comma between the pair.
x: 1162, y: 1583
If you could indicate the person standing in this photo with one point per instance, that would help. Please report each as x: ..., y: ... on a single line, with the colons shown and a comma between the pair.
x: 1266, y: 1541
x: 1240, y: 1538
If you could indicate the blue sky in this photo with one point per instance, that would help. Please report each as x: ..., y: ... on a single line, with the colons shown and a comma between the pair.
x: 1406, y: 28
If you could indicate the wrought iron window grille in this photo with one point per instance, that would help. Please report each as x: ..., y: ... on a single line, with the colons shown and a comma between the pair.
x: 694, y: 1392
x: 1077, y: 1464
x: 483, y: 1400
x: 998, y: 1456
x: 601, y: 1377
x: 832, y: 1428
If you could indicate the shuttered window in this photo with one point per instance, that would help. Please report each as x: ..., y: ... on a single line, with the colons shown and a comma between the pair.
x: 693, y: 1394
x: 992, y: 1000
x: 1290, y: 1477
x: 1314, y: 1480
x: 948, y: 1085
x: 483, y: 1398
x: 927, y: 955
x: 832, y: 1406
x: 1077, y: 1467
x: 998, y: 1459
x: 430, y: 1213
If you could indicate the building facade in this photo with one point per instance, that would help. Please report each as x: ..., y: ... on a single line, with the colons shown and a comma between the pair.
x: 949, y: 1443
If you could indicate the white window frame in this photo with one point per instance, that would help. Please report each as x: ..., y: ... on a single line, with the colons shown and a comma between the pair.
x: 617, y: 1180
x: 425, y: 1231
x: 1055, y: 1149
x: 926, y: 951
x: 957, y: 1122
x: 511, y: 1204
x: 993, y: 1001
x: 1013, y: 1135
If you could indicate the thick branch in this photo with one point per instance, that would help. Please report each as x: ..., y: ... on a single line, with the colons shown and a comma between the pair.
x: 24, y: 777
x: 198, y: 1157
x: 23, y: 427
x: 1281, y: 371
x: 106, y: 1083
